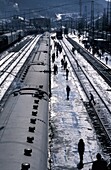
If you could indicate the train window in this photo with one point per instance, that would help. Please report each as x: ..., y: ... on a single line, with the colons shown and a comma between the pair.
x: 36, y: 101
x: 31, y: 129
x: 27, y: 152
x: 34, y: 113
x: 30, y: 139
x: 35, y: 107
x: 33, y: 121
x: 41, y: 86
x: 25, y: 166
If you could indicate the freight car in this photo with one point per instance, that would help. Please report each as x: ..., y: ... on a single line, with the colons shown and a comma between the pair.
x: 24, y: 119
x: 6, y: 40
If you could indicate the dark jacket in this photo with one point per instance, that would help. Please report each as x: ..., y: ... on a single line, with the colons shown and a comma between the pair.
x: 81, y: 146
x: 99, y: 165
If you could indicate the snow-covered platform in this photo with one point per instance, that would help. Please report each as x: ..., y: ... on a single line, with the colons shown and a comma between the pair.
x: 70, y: 122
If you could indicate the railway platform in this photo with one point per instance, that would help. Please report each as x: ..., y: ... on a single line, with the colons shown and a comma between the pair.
x: 103, y: 57
x: 70, y: 122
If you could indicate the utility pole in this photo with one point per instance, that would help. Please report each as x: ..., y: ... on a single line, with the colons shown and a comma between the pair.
x: 80, y: 15
x: 107, y: 20
x: 110, y: 27
x: 92, y: 23
x: 80, y: 3
x: 109, y: 24
x: 85, y: 16
x: 104, y: 21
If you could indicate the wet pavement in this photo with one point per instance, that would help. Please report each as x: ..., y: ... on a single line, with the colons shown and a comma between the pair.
x: 70, y: 122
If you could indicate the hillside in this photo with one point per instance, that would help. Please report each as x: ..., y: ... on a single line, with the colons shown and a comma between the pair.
x: 47, y: 7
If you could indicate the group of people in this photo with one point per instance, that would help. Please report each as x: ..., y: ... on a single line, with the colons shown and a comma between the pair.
x: 58, y: 48
x: 64, y: 65
x: 98, y: 164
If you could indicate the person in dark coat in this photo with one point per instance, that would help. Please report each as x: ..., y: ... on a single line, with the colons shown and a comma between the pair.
x: 92, y: 99
x: 73, y: 50
x: 109, y: 165
x: 77, y: 63
x: 65, y: 65
x: 53, y: 57
x: 106, y: 60
x: 57, y: 52
x: 62, y: 62
x: 100, y: 163
x: 67, y: 73
x: 64, y: 56
x: 68, y: 91
x: 55, y: 69
x: 81, y: 149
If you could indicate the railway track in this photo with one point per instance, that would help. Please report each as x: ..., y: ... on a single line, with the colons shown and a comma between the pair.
x: 100, y: 113
x: 6, y: 62
x: 11, y: 64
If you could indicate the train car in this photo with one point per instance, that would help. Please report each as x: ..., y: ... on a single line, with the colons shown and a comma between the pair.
x: 20, y: 34
x: 3, y: 42
x: 101, y: 43
x: 14, y: 36
x: 24, y: 119
x: 65, y: 31
x: 11, y: 37
x: 6, y: 40
x: 59, y: 34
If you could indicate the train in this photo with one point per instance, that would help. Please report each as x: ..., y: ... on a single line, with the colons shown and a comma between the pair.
x: 102, y: 35
x: 24, y: 119
x: 8, y: 39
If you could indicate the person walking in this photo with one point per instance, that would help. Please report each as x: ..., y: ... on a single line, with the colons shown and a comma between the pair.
x: 67, y: 73
x: 91, y: 99
x: 73, y: 50
x: 65, y: 65
x: 100, y: 163
x: 77, y: 63
x: 106, y: 60
x: 62, y: 62
x: 81, y: 149
x: 55, y: 69
x: 53, y: 57
x: 68, y: 91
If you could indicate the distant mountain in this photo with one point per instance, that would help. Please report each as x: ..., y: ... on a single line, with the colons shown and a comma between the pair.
x: 48, y: 8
